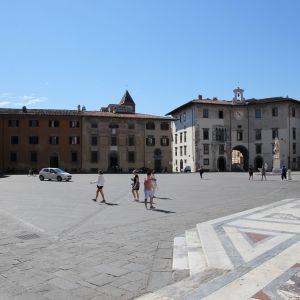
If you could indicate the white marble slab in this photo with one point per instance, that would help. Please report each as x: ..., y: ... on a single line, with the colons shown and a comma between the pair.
x: 180, y: 256
x: 196, y: 258
x: 213, y: 249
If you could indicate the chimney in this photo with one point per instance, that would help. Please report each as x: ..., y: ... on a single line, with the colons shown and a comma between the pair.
x: 83, y: 108
x: 200, y: 97
x: 24, y: 109
x: 78, y: 108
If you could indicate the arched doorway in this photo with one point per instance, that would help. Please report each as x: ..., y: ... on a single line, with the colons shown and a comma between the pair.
x: 114, y: 161
x: 239, y: 158
x: 221, y: 164
x: 258, y: 162
x: 157, y: 160
x: 181, y: 165
x: 53, y: 160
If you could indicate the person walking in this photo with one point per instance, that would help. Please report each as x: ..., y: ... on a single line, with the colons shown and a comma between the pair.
x: 201, y: 171
x: 154, y: 183
x: 251, y: 172
x: 283, y: 173
x: 135, y: 186
x: 100, y: 185
x: 263, y: 173
x: 148, y: 189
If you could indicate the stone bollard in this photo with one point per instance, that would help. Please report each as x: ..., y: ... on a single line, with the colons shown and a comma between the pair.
x: 289, y: 174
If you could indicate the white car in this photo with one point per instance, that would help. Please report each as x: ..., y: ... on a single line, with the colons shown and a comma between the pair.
x: 54, y: 174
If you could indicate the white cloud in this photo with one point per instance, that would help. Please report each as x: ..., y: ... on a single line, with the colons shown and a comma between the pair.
x: 24, y: 100
x: 4, y: 103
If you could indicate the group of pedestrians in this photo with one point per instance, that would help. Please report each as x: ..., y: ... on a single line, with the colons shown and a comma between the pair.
x: 263, y: 172
x: 150, y: 185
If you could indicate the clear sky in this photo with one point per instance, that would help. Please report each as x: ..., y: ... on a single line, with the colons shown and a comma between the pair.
x: 61, y: 53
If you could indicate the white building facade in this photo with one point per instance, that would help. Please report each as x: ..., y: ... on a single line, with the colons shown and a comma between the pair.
x: 232, y: 135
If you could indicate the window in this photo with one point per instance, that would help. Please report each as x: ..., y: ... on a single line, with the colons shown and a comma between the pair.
x: 131, y: 156
x: 33, y: 123
x: 164, y: 126
x: 131, y: 125
x: 180, y: 137
x: 94, y: 156
x: 275, y: 133
x: 33, y: 140
x: 184, y: 136
x: 164, y: 141
x: 221, y: 114
x: 275, y: 112
x: 184, y: 117
x: 293, y: 112
x: 221, y: 149
x: 294, y: 133
x: 13, y: 156
x: 113, y: 125
x: 74, y: 156
x: 150, y: 125
x: 131, y: 140
x: 74, y: 140
x: 257, y: 113
x: 14, y: 140
x: 205, y: 148
x: 220, y: 134
x: 206, y: 161
x: 53, y: 140
x: 205, y: 113
x: 175, y: 151
x: 175, y: 138
x: 180, y: 150
x: 113, y: 141
x: 94, y: 140
x: 74, y: 124
x: 239, y: 135
x: 13, y: 123
x: 94, y: 125
x: 33, y: 156
x: 53, y: 123
x: 258, y: 148
x: 294, y: 148
x: 184, y: 150
x: 205, y: 133
x: 150, y: 141
x: 258, y: 134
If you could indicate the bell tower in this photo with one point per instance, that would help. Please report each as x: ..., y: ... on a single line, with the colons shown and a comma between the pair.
x: 238, y: 95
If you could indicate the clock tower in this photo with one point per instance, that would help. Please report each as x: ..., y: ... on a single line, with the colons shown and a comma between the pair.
x: 238, y: 95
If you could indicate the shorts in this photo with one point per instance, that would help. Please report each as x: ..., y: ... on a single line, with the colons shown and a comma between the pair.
x: 100, y: 187
x: 148, y: 194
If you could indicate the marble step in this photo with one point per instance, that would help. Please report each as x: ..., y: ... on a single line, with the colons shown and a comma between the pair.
x: 180, y: 255
x: 196, y: 257
x: 214, y: 252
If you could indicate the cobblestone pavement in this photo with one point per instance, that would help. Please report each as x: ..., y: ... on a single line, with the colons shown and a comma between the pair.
x: 55, y: 243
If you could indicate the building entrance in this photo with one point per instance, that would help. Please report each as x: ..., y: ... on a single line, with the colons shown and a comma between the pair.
x: 239, y: 158
x: 221, y: 164
x: 53, y: 161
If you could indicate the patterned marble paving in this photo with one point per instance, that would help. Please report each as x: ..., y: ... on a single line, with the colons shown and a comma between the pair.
x: 261, y: 247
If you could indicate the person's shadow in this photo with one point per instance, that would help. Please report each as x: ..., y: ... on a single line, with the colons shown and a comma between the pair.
x: 163, y: 211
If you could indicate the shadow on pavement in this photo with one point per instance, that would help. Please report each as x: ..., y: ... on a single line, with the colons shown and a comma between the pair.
x: 163, y: 211
x: 163, y: 198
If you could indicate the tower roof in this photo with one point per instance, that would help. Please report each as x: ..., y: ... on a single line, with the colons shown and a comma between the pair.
x: 127, y: 99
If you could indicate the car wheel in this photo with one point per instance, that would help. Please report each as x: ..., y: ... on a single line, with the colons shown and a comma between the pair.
x: 68, y: 179
x: 41, y: 177
x: 59, y: 178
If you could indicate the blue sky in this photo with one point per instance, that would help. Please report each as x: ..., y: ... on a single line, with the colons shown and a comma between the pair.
x: 61, y: 53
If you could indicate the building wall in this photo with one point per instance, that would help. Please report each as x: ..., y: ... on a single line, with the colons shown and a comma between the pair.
x: 239, y: 117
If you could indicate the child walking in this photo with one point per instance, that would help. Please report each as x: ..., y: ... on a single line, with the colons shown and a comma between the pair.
x: 135, y: 186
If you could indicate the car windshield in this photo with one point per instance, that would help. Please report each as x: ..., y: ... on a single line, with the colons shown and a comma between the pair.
x: 57, y: 170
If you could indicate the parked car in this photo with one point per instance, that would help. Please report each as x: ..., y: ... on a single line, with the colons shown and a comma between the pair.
x: 187, y: 169
x: 54, y: 174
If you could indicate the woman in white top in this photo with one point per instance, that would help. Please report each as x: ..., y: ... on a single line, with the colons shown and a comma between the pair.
x: 100, y: 184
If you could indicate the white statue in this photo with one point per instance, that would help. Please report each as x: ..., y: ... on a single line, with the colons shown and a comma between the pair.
x: 276, y: 149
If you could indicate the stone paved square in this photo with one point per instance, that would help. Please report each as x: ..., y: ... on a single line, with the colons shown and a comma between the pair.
x: 86, y: 250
